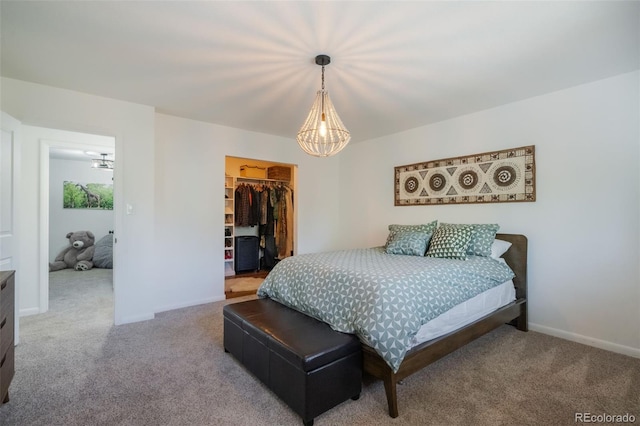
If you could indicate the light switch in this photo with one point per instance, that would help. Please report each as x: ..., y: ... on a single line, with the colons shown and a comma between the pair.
x: 129, y: 209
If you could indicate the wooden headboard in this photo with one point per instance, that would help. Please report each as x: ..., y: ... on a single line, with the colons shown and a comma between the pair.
x: 516, y: 258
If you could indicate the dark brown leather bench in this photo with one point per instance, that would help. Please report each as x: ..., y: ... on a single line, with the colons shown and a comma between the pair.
x: 311, y: 367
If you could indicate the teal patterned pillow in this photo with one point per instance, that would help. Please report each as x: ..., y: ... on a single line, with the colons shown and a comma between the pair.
x: 450, y: 242
x: 426, y: 228
x: 409, y: 242
x: 482, y: 236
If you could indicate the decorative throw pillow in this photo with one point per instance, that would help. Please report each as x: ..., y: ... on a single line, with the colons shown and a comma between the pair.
x: 409, y: 242
x: 482, y: 236
x: 103, y: 253
x: 426, y: 228
x: 499, y: 247
x: 450, y: 242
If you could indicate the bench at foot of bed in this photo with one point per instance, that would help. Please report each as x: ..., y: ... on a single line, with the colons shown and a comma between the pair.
x: 311, y: 367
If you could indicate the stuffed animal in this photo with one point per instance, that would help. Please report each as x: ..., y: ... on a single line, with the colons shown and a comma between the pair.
x: 78, y: 255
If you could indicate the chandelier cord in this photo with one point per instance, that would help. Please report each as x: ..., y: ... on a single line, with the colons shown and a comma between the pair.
x: 322, y: 102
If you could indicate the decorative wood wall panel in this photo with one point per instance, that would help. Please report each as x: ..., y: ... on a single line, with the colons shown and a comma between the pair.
x: 492, y: 177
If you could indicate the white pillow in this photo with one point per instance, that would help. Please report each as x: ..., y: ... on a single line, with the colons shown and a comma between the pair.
x: 499, y: 247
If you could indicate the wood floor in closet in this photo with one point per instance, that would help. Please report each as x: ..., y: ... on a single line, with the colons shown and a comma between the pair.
x: 243, y: 284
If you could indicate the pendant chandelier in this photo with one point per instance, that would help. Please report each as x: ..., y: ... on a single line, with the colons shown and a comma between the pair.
x: 323, y: 134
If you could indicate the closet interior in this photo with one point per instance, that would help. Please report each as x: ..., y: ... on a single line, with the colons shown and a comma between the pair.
x: 259, y: 215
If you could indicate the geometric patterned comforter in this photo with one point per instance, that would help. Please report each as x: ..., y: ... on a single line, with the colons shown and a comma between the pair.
x: 380, y: 297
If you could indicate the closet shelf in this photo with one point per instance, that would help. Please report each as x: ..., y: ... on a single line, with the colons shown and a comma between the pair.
x: 229, y: 234
x: 260, y: 180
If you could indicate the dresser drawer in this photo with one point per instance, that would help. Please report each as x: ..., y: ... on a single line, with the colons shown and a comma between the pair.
x: 7, y: 316
x: 7, y: 369
x: 6, y: 332
x: 7, y: 295
x: 6, y: 285
x: 7, y: 324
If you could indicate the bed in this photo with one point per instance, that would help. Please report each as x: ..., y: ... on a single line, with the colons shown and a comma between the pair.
x: 386, y: 312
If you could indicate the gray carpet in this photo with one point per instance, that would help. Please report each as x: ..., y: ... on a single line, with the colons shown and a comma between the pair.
x: 73, y: 367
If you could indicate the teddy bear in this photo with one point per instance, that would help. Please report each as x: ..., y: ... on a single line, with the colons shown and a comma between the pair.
x: 78, y: 255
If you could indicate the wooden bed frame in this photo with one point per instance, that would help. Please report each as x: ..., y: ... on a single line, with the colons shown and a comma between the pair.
x: 424, y: 354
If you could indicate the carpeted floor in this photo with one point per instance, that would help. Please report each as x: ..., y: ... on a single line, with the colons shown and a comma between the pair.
x: 74, y: 368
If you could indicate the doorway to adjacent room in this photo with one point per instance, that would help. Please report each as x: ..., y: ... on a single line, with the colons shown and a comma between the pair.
x: 67, y: 180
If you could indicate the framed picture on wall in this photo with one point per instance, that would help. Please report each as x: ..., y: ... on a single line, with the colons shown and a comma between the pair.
x: 78, y: 195
x: 492, y: 177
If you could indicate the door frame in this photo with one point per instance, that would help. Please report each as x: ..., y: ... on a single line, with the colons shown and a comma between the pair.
x: 45, y: 147
x: 14, y: 126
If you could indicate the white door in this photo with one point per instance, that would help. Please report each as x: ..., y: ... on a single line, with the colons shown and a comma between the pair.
x: 9, y: 164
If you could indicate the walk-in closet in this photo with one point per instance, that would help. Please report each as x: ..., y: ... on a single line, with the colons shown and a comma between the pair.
x: 260, y: 215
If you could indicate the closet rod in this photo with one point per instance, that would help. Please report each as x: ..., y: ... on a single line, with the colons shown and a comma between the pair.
x: 258, y: 180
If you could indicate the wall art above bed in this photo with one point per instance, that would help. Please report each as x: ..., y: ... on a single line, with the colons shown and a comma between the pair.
x: 491, y: 177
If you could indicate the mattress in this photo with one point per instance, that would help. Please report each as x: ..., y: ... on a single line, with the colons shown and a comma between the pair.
x: 466, y: 312
x: 384, y: 299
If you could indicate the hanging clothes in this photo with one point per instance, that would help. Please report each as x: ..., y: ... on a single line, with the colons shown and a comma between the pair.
x: 289, y: 212
x: 267, y: 231
x: 281, y: 222
x: 284, y: 223
x: 247, y: 205
x: 264, y: 205
x: 242, y: 205
x: 254, y: 206
x: 270, y: 206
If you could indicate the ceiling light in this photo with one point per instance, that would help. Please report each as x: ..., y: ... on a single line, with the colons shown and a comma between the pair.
x: 323, y: 133
x: 102, y: 163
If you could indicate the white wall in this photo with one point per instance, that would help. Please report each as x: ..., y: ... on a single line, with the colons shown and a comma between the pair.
x: 169, y: 252
x: 63, y: 221
x: 583, y: 230
x: 132, y: 126
x: 190, y: 167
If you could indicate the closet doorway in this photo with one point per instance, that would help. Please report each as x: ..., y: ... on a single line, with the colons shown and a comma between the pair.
x: 260, y: 220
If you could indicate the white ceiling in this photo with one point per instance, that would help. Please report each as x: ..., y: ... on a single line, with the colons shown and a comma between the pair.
x: 79, y: 154
x: 250, y: 65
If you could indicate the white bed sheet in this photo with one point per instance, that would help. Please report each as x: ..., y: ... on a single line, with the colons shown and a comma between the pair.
x: 466, y: 312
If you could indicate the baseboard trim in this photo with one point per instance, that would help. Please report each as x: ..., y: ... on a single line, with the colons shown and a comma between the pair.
x: 28, y: 311
x: 166, y: 308
x: 585, y: 340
